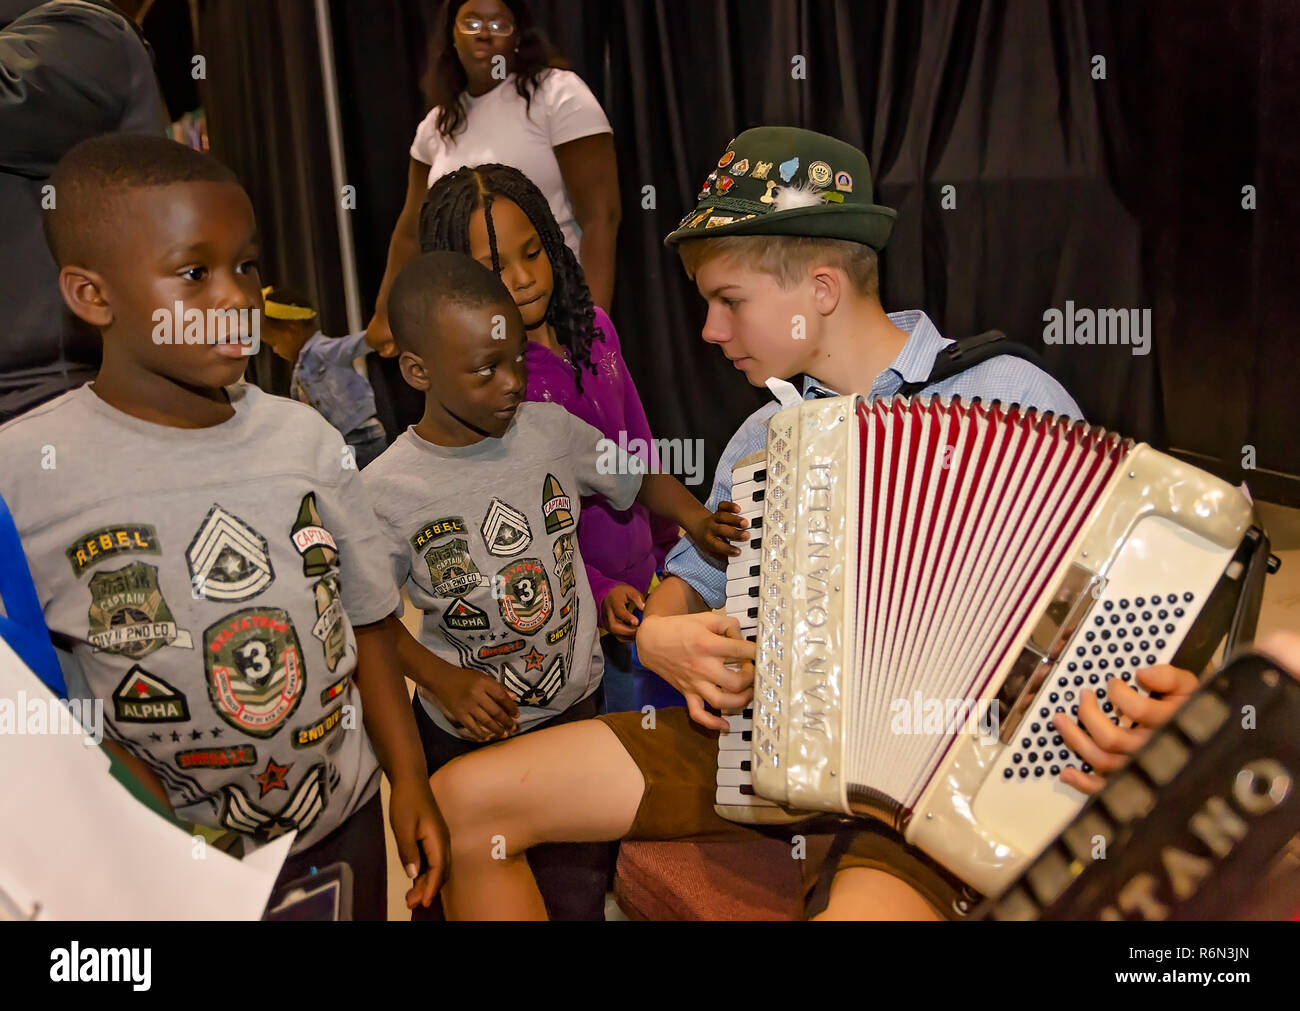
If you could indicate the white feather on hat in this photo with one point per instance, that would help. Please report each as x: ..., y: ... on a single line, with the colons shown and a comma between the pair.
x: 789, y: 198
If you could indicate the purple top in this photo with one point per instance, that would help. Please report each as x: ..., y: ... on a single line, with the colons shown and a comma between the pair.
x: 616, y: 547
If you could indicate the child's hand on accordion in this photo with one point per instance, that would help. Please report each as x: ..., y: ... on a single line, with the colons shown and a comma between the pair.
x: 703, y: 656
x: 1105, y: 746
x: 717, y: 530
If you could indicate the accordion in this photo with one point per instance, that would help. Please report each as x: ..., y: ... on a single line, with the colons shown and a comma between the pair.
x: 928, y: 583
x: 1202, y: 824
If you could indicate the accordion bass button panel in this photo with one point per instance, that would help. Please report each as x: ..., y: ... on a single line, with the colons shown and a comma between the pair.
x: 1156, y: 586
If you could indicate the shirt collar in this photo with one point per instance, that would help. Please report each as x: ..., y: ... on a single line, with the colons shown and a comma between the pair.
x: 913, y: 363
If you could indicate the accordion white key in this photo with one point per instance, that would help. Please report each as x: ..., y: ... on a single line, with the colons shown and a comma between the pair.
x: 928, y: 582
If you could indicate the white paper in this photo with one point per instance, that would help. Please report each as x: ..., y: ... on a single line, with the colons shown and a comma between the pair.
x: 76, y: 845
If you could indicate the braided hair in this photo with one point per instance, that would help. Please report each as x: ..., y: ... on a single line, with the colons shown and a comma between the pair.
x: 444, y: 225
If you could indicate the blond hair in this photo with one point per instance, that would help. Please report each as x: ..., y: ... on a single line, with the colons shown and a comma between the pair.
x: 787, y: 258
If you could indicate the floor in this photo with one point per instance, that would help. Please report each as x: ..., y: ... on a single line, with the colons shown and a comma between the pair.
x: 1281, y: 610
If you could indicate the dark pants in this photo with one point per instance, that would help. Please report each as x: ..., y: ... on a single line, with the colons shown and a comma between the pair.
x: 367, y: 441
x: 359, y: 843
x: 572, y: 877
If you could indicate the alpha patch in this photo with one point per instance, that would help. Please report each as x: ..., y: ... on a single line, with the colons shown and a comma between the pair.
x: 505, y: 529
x: 313, y: 541
x: 145, y: 698
x: 300, y: 811
x: 255, y: 669
x: 504, y: 649
x: 562, y: 548
x: 217, y: 758
x: 128, y: 615
x: 228, y: 559
x: 106, y: 542
x: 558, y: 633
x: 331, y: 692
x: 525, y: 600
x: 314, y: 733
x: 556, y: 506
x: 452, y: 572
x: 464, y: 616
x: 330, y: 628
x: 436, y: 529
x: 541, y: 693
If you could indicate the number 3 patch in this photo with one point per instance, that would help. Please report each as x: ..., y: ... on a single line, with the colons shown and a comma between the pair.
x: 525, y: 595
x: 255, y: 669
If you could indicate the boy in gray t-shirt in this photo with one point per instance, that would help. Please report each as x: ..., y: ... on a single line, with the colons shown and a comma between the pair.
x: 206, y: 550
x: 481, y: 503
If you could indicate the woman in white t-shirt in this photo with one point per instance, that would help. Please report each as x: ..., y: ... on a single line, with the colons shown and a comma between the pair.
x: 498, y: 93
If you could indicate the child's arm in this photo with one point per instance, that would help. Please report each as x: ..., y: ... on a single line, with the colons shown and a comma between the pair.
x: 479, y: 703
x: 665, y: 496
x: 390, y: 725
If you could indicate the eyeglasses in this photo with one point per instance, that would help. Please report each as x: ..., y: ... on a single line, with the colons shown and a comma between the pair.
x: 498, y: 26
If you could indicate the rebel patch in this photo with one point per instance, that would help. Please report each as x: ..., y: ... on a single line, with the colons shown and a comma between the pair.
x: 525, y: 595
x: 504, y: 649
x: 217, y: 758
x: 464, y: 616
x: 540, y: 694
x: 556, y: 506
x: 452, y: 572
x: 128, y: 614
x: 106, y: 542
x: 314, y: 733
x: 329, y: 627
x: 435, y: 530
x: 228, y: 559
x: 312, y: 540
x: 255, y: 670
x: 563, y: 551
x: 505, y: 529
x: 300, y: 811
x: 145, y: 698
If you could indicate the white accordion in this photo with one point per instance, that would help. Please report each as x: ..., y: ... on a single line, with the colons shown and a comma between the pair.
x: 928, y: 582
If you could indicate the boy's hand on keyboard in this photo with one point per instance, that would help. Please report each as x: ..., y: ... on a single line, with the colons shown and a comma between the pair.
x: 1106, y: 746
x: 616, y: 611
x: 717, y: 530
x: 703, y: 656
x: 479, y: 703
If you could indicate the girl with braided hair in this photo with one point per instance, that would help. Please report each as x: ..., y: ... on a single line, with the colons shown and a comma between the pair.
x: 495, y: 214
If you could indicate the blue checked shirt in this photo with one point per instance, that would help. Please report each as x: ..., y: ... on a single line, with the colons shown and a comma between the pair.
x: 1011, y: 380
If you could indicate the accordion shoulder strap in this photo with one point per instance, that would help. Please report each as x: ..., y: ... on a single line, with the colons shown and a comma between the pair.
x: 968, y: 352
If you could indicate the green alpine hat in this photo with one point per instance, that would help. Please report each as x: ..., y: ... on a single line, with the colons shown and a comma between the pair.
x: 779, y: 180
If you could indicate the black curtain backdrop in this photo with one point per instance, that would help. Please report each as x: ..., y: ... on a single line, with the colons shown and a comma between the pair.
x: 1115, y: 192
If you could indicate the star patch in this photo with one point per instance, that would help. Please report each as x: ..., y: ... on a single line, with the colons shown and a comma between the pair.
x: 228, y: 559
x: 540, y: 694
x: 533, y: 659
x: 300, y: 811
x: 272, y: 777
x: 505, y: 529
x: 556, y: 506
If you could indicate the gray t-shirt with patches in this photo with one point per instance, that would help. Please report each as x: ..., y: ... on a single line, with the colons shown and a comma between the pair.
x: 207, y: 581
x: 484, y: 540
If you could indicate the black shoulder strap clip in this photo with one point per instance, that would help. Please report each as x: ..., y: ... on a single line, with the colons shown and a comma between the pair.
x: 968, y: 352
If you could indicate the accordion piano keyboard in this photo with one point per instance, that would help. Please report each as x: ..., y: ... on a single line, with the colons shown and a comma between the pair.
x: 734, y: 781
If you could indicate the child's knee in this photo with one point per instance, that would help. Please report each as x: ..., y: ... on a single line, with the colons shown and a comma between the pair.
x: 473, y: 806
